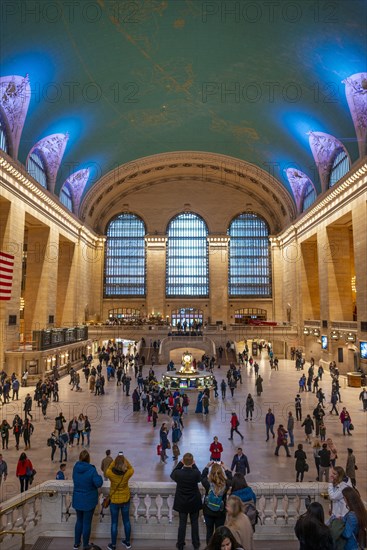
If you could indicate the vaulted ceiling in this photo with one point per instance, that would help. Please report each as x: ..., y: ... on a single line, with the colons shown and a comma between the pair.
x: 132, y: 79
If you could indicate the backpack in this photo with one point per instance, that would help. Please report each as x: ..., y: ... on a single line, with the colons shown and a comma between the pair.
x: 249, y: 508
x: 214, y: 502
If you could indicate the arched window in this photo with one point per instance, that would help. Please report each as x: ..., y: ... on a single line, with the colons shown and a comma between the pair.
x: 66, y: 198
x: 339, y: 168
x: 249, y: 257
x: 187, y: 257
x: 125, y: 257
x: 36, y: 168
x: 4, y: 146
x: 309, y: 196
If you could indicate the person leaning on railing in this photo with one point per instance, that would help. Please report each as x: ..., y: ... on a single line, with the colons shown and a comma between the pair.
x: 119, y: 472
x: 85, y: 497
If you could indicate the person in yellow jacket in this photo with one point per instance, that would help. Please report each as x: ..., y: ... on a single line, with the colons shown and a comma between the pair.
x: 119, y: 472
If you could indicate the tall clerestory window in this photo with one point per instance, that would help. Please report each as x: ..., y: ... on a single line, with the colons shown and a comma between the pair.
x: 66, y: 198
x: 125, y: 257
x: 4, y: 146
x: 309, y: 196
x: 37, y: 169
x: 339, y: 168
x: 187, y: 268
x: 249, y: 257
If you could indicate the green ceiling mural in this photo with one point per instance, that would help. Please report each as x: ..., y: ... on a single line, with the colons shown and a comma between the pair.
x: 131, y: 79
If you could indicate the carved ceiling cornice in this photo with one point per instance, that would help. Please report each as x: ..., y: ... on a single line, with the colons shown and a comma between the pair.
x: 184, y: 166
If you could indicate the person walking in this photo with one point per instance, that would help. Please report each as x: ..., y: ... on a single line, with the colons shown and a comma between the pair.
x: 27, y: 407
x: 351, y: 467
x: 269, y: 424
x: 119, y: 472
x: 346, y: 420
x: 164, y: 442
x: 298, y: 407
x: 86, y: 481
x: 250, y: 405
x: 324, y: 465
x: 282, y: 440
x: 24, y: 472
x: 290, y: 428
x: 234, y: 426
x: 187, y: 501
x: 28, y: 430
x: 223, y: 388
x: 259, y: 385
x: 62, y: 442
x: 301, y: 464
x: 4, y: 432
x: 17, y: 430
x: 308, y: 425
x: 363, y: 398
x: 240, y: 463
x: 216, y: 449
x: 316, y: 448
x: 215, y: 480
x: 3, y: 470
x: 318, y: 414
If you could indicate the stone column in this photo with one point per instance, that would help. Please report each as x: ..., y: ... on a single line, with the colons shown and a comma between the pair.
x: 218, y: 277
x: 11, y: 242
x: 310, y: 303
x: 156, y: 274
x: 41, y: 277
x: 359, y: 222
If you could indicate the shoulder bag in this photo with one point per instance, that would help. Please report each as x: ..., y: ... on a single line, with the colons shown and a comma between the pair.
x: 107, y: 500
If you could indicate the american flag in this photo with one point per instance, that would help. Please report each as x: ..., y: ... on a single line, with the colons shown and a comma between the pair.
x: 6, y: 275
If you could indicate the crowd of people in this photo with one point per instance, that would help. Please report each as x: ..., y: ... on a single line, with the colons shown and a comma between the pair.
x: 229, y: 504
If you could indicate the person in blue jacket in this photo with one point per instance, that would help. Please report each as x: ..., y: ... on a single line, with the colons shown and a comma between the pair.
x: 355, y: 520
x: 85, y: 497
x: 240, y: 489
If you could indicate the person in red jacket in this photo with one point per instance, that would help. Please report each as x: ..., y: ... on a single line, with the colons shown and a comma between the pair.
x: 24, y: 472
x: 234, y: 426
x: 216, y: 450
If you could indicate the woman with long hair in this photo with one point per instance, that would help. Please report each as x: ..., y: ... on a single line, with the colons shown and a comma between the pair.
x: 338, y: 482
x: 355, y: 520
x: 239, y: 523
x: 223, y: 539
x: 311, y: 530
x: 214, y: 479
x: 333, y: 452
x: 240, y: 488
x: 316, y: 448
x: 119, y: 472
x: 24, y: 472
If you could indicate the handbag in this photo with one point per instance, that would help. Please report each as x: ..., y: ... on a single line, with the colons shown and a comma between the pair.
x: 306, y: 467
x: 168, y: 444
x: 107, y: 500
x: 351, y: 427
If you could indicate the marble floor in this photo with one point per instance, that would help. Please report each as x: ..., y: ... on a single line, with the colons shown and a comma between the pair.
x: 116, y: 427
x: 63, y: 544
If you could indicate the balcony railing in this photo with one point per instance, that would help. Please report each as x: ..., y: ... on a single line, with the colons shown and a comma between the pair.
x: 46, y: 510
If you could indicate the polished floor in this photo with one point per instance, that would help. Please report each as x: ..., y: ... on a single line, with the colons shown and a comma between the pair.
x: 116, y: 427
x: 63, y: 544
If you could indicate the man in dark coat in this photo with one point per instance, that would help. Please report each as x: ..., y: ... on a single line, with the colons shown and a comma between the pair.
x: 187, y: 499
x: 240, y: 463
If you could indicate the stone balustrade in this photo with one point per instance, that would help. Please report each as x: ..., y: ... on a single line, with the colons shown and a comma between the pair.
x: 42, y: 512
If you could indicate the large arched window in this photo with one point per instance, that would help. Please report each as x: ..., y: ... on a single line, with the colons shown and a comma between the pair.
x: 309, y: 196
x: 66, y: 198
x: 125, y: 257
x: 339, y: 168
x: 4, y: 145
x: 37, y: 169
x: 249, y: 257
x: 187, y: 256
